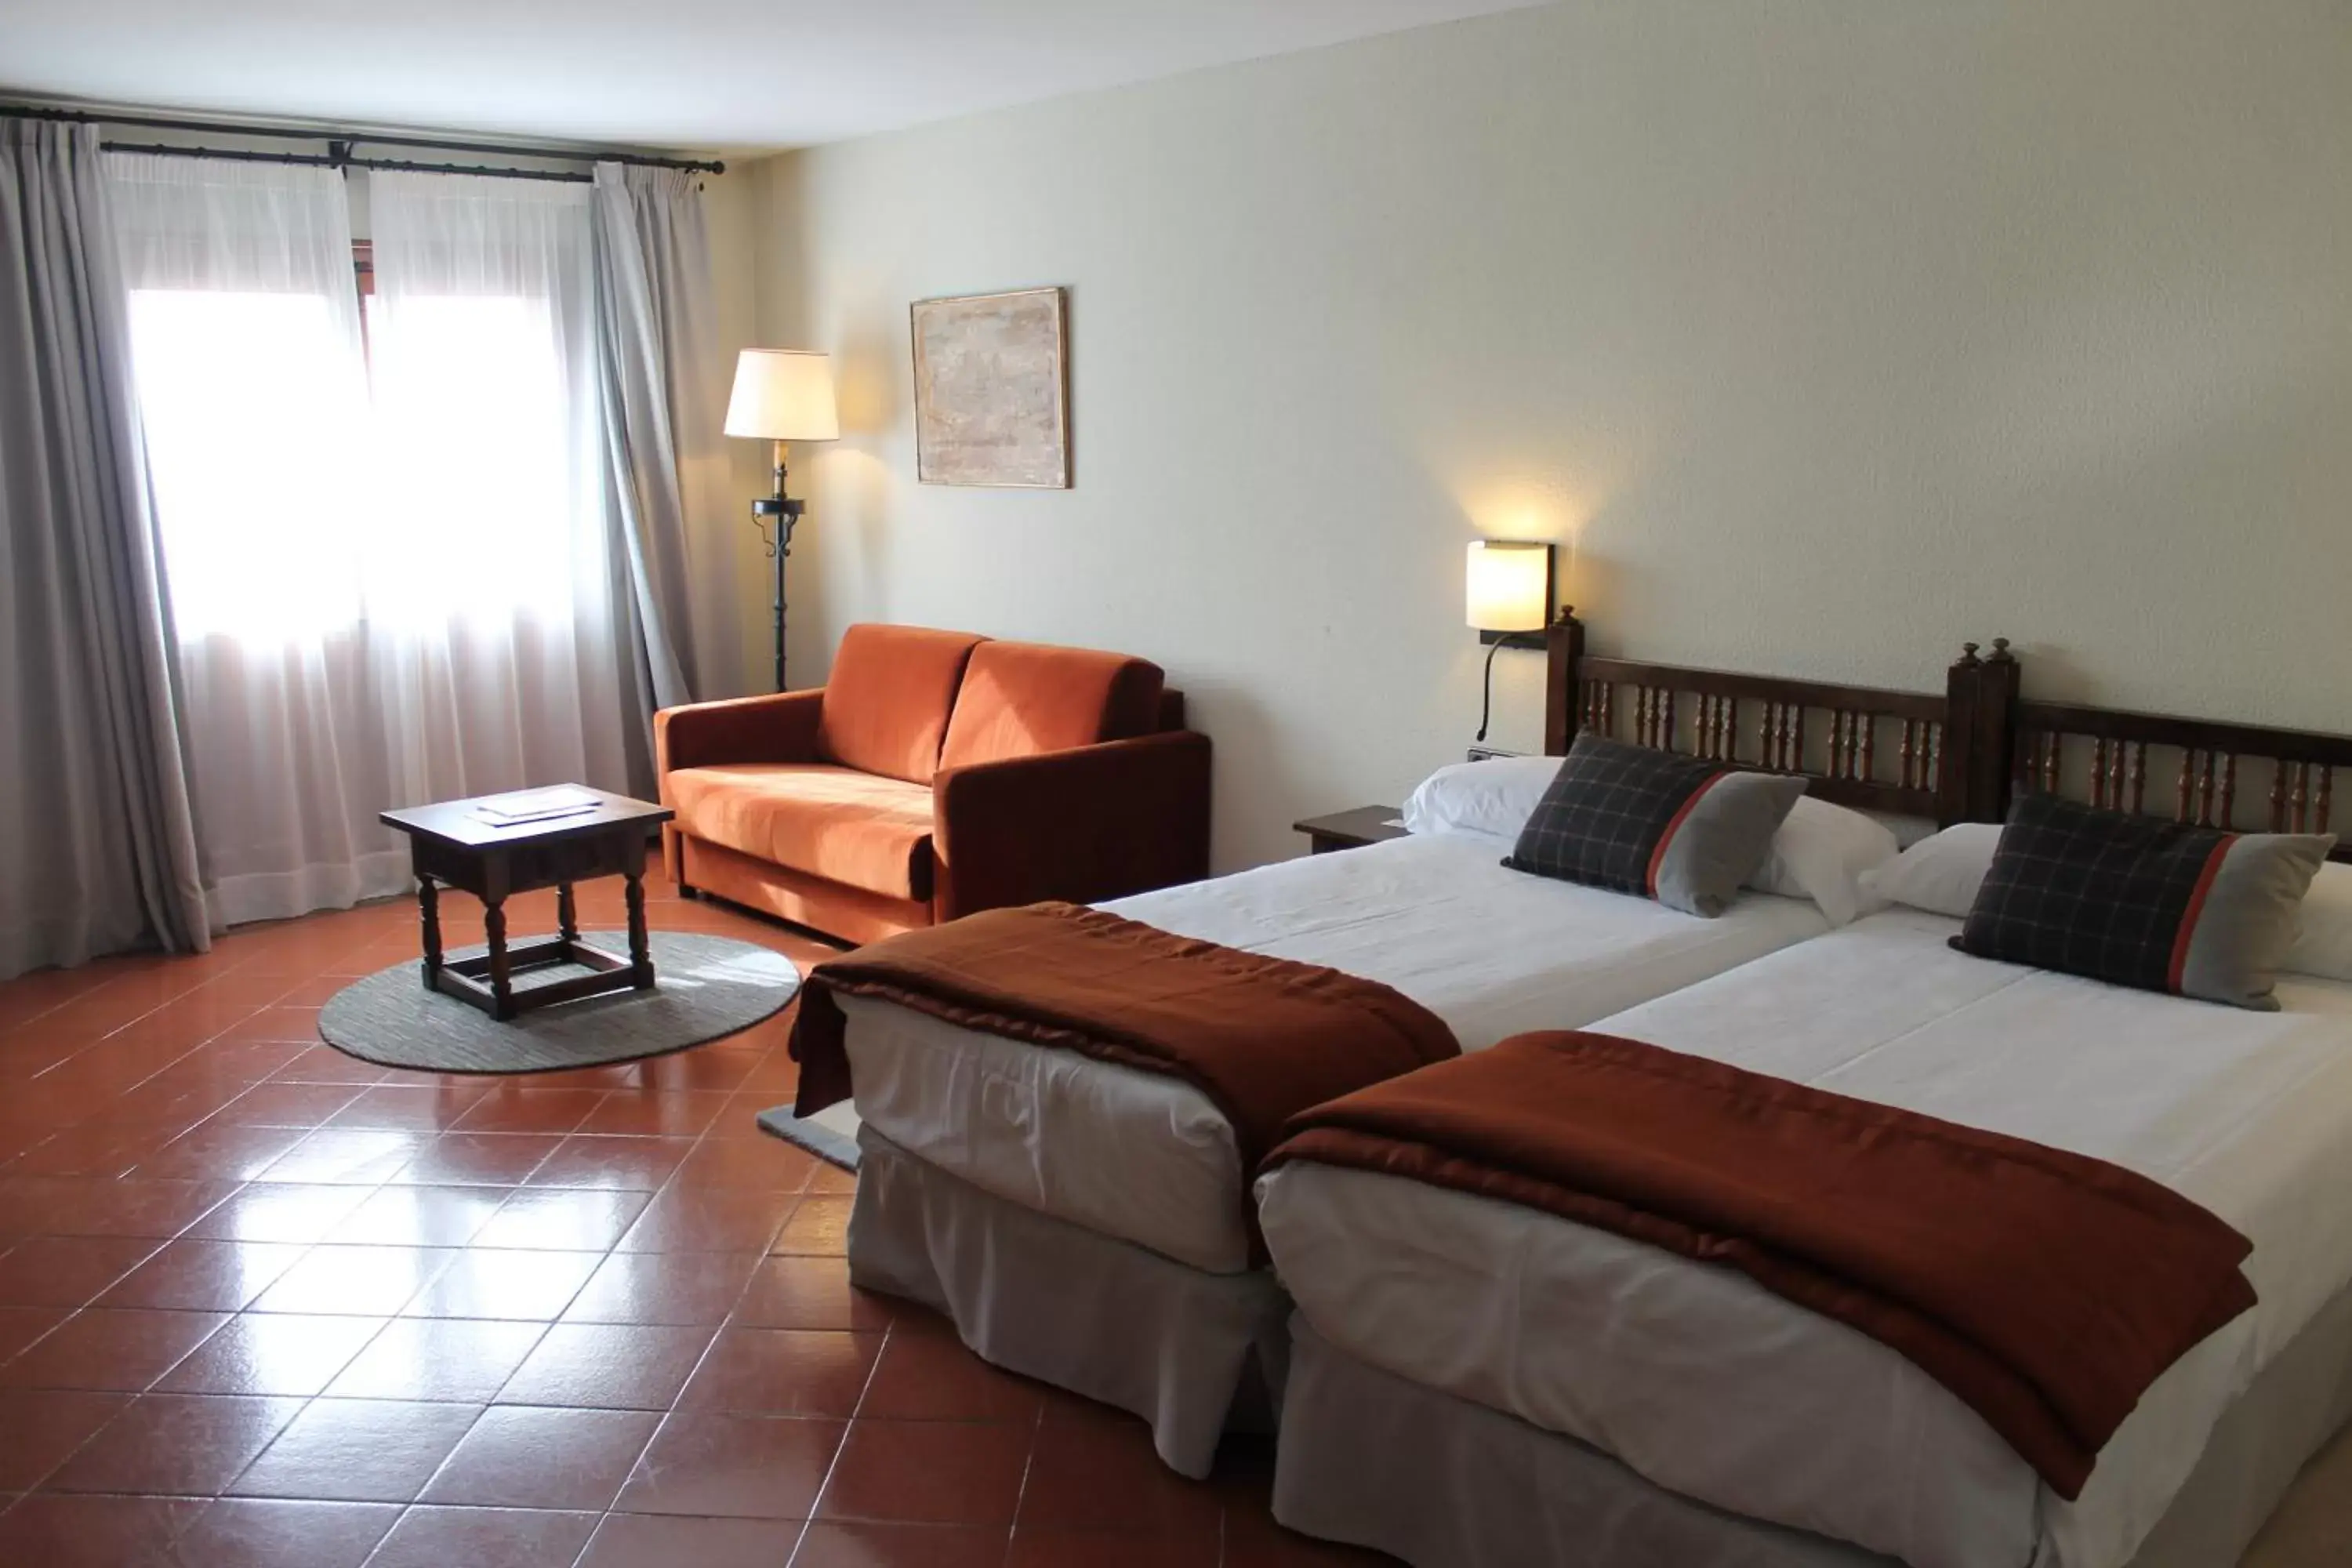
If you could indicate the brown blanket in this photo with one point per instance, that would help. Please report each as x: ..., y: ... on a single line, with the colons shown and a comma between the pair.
x: 1262, y: 1038
x: 2046, y: 1290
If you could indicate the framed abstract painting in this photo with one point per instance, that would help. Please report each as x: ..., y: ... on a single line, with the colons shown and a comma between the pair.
x: 993, y: 390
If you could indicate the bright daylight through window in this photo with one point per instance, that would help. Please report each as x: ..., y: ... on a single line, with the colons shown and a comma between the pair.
x: 287, y: 506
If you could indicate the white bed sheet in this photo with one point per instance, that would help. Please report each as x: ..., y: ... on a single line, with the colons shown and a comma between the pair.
x: 1706, y: 1383
x: 1146, y: 1158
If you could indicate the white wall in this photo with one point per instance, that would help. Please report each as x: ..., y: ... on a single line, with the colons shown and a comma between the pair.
x: 1825, y: 333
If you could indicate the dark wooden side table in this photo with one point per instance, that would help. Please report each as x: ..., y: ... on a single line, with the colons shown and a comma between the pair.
x: 1350, y: 829
x: 451, y: 844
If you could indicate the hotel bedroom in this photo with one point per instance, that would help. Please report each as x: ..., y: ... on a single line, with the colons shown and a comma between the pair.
x: 1439, y: 781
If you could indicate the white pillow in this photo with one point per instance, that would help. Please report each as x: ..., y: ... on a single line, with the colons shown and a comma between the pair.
x: 1494, y: 797
x: 1940, y: 875
x: 1823, y: 852
x: 2324, y: 946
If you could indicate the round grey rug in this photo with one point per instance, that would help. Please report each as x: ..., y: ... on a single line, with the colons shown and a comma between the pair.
x: 706, y: 986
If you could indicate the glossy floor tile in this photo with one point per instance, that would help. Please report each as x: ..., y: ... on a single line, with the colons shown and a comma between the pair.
x: 264, y: 1305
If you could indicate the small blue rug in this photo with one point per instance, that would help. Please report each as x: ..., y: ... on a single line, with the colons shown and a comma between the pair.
x: 831, y: 1143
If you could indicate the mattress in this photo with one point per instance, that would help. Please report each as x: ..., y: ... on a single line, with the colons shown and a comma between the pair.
x: 1146, y: 1158
x: 1706, y: 1383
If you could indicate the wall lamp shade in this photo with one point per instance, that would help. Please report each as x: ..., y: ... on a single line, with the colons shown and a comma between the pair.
x: 1506, y: 602
x: 1509, y: 585
x: 783, y: 394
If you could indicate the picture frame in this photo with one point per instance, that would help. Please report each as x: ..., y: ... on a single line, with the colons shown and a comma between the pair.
x: 992, y: 389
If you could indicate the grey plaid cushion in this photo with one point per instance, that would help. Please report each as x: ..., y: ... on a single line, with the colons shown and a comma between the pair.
x: 1633, y: 820
x: 2133, y: 900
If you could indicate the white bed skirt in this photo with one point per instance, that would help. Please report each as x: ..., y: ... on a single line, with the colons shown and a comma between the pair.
x: 1055, y: 1301
x: 1368, y: 1458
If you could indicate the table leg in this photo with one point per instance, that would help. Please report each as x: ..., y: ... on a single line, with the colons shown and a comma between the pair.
x: 494, y: 922
x: 428, y: 911
x: 640, y: 956
x: 567, y: 913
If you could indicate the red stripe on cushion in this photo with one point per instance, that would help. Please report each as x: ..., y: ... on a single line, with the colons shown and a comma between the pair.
x: 2188, y: 931
x: 1658, y: 856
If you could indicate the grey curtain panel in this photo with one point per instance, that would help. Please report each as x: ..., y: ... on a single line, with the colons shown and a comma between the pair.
x: 97, y: 848
x: 656, y: 347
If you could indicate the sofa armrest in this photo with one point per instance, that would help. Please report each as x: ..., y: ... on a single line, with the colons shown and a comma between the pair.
x: 778, y: 728
x: 1092, y: 822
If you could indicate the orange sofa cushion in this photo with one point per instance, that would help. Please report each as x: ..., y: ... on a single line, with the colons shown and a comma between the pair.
x: 887, y: 699
x: 1020, y: 699
x: 847, y: 826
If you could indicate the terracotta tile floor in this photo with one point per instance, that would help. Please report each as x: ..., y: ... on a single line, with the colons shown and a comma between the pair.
x: 262, y: 1304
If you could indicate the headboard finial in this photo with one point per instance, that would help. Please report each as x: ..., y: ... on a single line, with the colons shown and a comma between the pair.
x: 1981, y: 694
x: 1563, y: 682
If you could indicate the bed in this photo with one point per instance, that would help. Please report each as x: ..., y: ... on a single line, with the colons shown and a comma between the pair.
x: 1477, y: 1384
x: 1085, y: 1224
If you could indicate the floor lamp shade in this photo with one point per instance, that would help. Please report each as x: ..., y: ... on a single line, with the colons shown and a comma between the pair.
x: 783, y: 394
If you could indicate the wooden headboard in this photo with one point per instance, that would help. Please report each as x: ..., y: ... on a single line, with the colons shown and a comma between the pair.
x: 1906, y: 752
x: 2195, y: 771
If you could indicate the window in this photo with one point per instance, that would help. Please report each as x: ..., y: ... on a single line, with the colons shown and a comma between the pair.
x: 487, y: 527
x: 253, y: 404
x: 403, y: 437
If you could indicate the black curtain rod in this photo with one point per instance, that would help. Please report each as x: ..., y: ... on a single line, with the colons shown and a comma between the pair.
x: 82, y: 117
x: 327, y: 161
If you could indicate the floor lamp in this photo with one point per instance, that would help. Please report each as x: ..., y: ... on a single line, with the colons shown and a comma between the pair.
x: 782, y: 394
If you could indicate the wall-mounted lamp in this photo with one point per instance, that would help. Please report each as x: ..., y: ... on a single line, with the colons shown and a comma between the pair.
x: 779, y: 396
x: 1509, y: 602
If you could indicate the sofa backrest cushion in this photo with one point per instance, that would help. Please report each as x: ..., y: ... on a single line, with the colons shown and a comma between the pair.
x: 1020, y: 699
x: 887, y: 699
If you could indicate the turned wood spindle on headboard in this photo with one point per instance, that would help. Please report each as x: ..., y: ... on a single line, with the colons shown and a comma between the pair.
x: 1654, y: 717
x: 1852, y: 737
x: 1781, y: 737
x: 2118, y: 774
x: 2037, y: 760
x: 1597, y: 708
x: 1717, y: 716
x: 2208, y: 799
x: 2300, y: 808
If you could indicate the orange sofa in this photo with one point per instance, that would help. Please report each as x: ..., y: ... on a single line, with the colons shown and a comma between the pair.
x: 936, y: 773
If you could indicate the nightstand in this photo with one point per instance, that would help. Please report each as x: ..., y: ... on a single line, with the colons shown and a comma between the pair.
x: 1350, y: 829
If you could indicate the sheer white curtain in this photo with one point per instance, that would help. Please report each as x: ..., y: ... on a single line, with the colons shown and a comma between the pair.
x: 246, y: 354
x: 494, y: 573
x: 383, y: 594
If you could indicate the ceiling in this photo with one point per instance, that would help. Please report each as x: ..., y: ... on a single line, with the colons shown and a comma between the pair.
x: 720, y: 74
